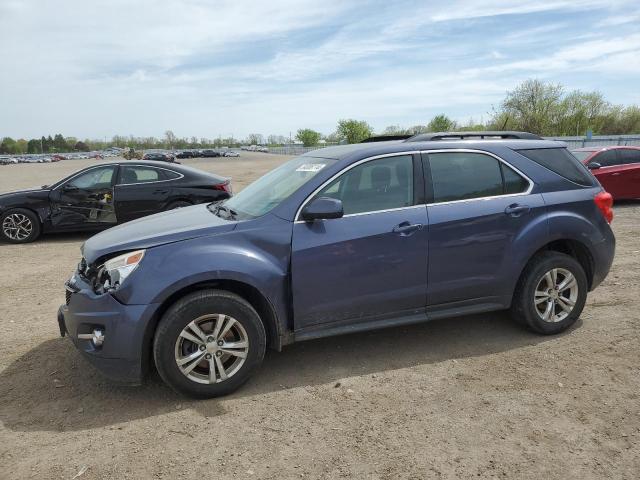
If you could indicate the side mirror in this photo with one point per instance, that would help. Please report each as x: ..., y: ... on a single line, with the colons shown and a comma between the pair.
x: 593, y: 165
x: 322, y: 208
x: 69, y: 188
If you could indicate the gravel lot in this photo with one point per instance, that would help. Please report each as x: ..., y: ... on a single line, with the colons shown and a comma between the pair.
x: 468, y: 397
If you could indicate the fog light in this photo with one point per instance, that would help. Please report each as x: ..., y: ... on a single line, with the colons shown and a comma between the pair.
x: 96, y: 337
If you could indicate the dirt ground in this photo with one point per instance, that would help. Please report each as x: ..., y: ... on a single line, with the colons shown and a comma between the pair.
x: 474, y: 396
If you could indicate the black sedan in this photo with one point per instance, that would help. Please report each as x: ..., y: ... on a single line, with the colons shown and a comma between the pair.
x: 104, y: 195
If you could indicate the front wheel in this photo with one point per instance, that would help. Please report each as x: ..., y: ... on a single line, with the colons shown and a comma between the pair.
x: 209, y: 343
x: 550, y: 294
x: 19, y: 226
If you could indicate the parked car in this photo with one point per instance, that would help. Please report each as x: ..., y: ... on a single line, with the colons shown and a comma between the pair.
x: 210, y: 153
x: 159, y: 157
x: 104, y: 195
x: 231, y: 153
x: 341, y: 240
x: 185, y: 154
x: 616, y: 168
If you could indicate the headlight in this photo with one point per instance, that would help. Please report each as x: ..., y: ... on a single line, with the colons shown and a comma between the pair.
x: 116, y: 270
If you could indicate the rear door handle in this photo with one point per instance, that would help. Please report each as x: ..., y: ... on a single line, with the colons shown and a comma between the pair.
x: 515, y: 209
x: 160, y: 192
x: 405, y: 228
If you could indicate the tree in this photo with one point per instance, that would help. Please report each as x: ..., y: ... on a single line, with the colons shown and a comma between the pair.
x: 255, y: 139
x: 441, y: 123
x: 81, y: 147
x: 8, y: 146
x: 394, y: 130
x: 60, y: 144
x: 416, y: 129
x: 353, y: 131
x: 308, y: 137
x: 33, y: 146
x: 170, y: 139
x: 533, y: 106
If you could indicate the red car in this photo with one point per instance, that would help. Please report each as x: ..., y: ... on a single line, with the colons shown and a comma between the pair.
x: 616, y: 168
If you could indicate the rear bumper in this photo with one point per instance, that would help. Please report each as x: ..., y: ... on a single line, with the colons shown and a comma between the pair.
x: 120, y: 356
x: 603, y: 254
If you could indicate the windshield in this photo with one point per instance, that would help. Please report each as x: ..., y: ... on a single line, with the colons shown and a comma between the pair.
x: 272, y: 189
x: 582, y: 156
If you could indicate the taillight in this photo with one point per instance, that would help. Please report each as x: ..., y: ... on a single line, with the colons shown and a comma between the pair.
x: 225, y: 187
x: 604, y: 202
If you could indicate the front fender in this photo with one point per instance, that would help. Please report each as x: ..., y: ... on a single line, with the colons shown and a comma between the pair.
x: 257, y: 256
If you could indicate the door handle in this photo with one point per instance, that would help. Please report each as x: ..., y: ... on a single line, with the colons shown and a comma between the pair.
x: 615, y: 174
x: 160, y: 192
x: 515, y: 209
x: 405, y: 228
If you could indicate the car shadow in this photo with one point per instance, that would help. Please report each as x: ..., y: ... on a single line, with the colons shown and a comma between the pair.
x: 52, y: 388
x: 626, y: 204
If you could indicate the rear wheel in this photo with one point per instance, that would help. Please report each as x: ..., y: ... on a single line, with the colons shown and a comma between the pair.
x: 19, y: 226
x: 209, y: 343
x: 550, y: 294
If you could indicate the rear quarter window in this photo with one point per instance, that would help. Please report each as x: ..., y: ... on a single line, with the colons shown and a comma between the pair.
x: 560, y: 161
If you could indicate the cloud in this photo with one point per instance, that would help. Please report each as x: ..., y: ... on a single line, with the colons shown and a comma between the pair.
x: 207, y: 68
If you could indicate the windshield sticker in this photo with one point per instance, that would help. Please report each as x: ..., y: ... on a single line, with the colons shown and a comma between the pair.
x: 311, y: 167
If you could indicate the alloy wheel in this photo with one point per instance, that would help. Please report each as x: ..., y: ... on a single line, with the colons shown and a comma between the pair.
x: 17, y: 226
x: 556, y: 295
x: 211, y: 348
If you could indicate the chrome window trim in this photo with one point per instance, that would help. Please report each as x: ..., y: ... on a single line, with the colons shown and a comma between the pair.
x: 181, y: 176
x: 413, y: 152
x: 341, y: 172
x: 67, y: 180
x: 490, y: 154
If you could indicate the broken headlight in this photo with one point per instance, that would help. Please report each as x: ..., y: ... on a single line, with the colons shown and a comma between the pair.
x: 116, y: 270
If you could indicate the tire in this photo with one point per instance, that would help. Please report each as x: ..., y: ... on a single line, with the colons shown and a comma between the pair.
x: 179, y: 204
x: 29, y: 226
x: 553, y: 304
x: 173, y: 343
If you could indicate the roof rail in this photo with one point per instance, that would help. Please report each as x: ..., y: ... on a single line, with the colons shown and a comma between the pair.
x: 386, y: 138
x: 429, y: 137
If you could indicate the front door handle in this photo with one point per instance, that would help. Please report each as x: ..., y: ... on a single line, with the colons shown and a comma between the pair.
x: 406, y: 228
x: 160, y: 192
x: 516, y: 210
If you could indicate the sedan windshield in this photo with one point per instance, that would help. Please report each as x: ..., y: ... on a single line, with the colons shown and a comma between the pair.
x: 272, y: 189
x: 582, y: 155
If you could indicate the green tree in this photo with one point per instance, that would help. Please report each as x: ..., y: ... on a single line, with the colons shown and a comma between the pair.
x: 353, y: 131
x: 59, y: 143
x: 308, y: 137
x: 8, y: 146
x: 33, y: 146
x: 81, y: 147
x: 441, y: 123
x: 534, y: 106
x: 394, y: 130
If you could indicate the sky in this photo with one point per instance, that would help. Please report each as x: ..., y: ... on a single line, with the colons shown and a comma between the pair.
x: 94, y: 69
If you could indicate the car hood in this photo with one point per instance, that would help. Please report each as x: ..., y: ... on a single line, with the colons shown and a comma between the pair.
x: 29, y: 192
x: 159, y: 229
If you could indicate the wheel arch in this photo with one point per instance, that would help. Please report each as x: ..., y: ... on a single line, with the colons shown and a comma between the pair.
x: 574, y: 248
x: 251, y: 294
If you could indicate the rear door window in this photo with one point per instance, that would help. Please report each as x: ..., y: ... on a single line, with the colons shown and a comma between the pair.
x: 629, y: 155
x: 464, y: 175
x: 139, y: 174
x: 560, y: 161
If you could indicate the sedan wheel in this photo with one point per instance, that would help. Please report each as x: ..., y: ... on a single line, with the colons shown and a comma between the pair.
x: 17, y: 227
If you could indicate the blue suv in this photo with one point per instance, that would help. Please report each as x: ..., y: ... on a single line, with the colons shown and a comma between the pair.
x: 340, y: 240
